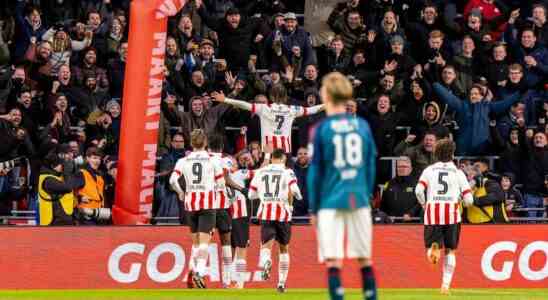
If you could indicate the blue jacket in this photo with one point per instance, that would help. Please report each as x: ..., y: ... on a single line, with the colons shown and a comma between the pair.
x: 473, y: 119
x: 533, y: 75
x: 24, y: 31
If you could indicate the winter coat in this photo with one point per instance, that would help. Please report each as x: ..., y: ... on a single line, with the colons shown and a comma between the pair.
x: 398, y: 197
x: 473, y: 119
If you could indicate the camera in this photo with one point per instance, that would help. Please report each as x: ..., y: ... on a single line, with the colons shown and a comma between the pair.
x: 96, y: 214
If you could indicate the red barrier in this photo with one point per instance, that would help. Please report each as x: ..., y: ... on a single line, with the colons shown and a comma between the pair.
x: 491, y: 256
x: 141, y: 109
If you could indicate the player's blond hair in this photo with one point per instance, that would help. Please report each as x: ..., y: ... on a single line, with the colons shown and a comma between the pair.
x: 338, y: 88
x: 198, y: 139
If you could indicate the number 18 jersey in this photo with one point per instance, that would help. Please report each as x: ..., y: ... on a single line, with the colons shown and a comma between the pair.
x: 342, y: 171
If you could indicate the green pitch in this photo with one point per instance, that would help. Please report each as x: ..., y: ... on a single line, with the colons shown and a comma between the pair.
x: 266, y: 294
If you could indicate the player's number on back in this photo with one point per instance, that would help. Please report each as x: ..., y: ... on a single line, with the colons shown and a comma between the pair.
x: 197, y: 172
x: 443, y: 183
x: 348, y: 150
x: 275, y: 180
x: 279, y: 121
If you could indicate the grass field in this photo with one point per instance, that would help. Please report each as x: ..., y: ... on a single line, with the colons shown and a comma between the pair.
x: 265, y: 294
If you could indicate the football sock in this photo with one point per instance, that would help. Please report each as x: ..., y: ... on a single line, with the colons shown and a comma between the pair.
x: 264, y: 257
x: 368, y: 282
x: 241, y: 266
x: 201, y: 260
x: 336, y: 291
x: 192, y: 260
x: 448, y: 269
x: 227, y: 259
x: 283, y: 268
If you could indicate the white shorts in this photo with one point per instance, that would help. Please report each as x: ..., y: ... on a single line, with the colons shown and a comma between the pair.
x: 332, y: 225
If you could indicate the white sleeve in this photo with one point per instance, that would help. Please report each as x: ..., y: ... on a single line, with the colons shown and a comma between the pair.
x: 239, y: 103
x: 422, y: 185
x: 219, y: 172
x: 174, y: 178
x: 466, y: 191
x: 300, y: 111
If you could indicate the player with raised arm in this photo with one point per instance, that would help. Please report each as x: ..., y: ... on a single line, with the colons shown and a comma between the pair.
x: 340, y: 184
x: 275, y: 186
x: 444, y: 185
x: 194, y: 178
x: 276, y: 118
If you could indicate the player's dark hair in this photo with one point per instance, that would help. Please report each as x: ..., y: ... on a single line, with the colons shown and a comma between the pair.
x: 278, y: 154
x: 215, y: 143
x: 278, y: 94
x: 444, y: 150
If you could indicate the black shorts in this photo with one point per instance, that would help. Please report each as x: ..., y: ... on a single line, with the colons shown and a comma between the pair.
x: 201, y: 221
x: 446, y: 236
x: 240, y: 233
x: 222, y: 221
x: 281, y: 231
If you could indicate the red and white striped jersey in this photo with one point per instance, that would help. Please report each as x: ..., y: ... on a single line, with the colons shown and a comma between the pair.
x: 238, y: 206
x: 445, y: 186
x: 200, y: 174
x: 221, y: 197
x: 277, y: 122
x: 272, y: 184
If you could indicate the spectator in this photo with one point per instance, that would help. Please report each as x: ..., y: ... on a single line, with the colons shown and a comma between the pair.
x: 200, y: 117
x: 337, y: 59
x: 473, y: 116
x: 88, y: 68
x: 512, y: 196
x: 530, y: 54
x: 398, y: 197
x: 535, y: 169
x: 28, y: 21
x: 63, y: 46
x: 421, y: 155
x: 300, y: 208
x: 510, y: 120
x: 236, y: 35
x: 509, y: 149
x: 347, y: 22
x: 383, y: 123
x: 431, y: 121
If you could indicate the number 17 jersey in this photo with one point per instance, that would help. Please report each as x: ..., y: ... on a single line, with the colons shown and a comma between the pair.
x: 342, y: 171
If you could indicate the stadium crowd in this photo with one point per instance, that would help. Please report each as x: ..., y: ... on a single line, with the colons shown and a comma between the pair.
x: 475, y: 71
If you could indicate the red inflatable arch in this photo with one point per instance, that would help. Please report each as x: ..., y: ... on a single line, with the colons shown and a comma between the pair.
x: 141, y: 109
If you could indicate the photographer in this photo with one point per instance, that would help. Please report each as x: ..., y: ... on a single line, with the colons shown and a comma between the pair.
x: 90, y: 187
x: 489, y: 206
x: 55, y: 192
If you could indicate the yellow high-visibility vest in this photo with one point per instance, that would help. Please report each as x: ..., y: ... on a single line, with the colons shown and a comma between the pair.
x: 45, y: 204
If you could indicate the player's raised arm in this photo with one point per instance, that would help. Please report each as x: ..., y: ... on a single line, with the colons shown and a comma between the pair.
x: 305, y: 111
x: 220, y: 97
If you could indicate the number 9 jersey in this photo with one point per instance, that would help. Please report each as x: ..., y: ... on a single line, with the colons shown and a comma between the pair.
x: 275, y: 186
x: 201, y: 174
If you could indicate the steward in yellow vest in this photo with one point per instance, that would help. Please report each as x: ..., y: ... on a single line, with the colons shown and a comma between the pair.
x: 55, y: 195
x: 90, y: 187
x: 489, y: 204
